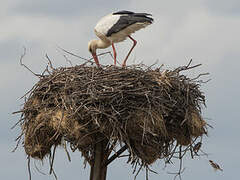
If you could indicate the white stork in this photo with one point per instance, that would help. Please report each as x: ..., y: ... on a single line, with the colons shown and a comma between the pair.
x: 116, y: 27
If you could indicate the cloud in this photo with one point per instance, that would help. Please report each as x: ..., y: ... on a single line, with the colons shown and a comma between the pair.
x: 223, y: 8
x: 65, y: 9
x: 5, y: 45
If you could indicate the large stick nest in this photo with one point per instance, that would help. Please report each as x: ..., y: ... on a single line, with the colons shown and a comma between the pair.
x: 151, y: 111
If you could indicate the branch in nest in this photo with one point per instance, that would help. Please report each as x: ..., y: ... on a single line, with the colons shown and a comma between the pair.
x: 87, y: 60
x: 187, y: 67
x: 21, y: 63
x: 49, y: 62
x: 116, y: 155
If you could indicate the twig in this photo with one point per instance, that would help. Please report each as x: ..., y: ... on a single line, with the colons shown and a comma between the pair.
x: 202, y: 74
x: 65, y: 148
x: 171, y: 155
x: 55, y: 175
x: 151, y: 170
x: 181, y: 170
x: 38, y: 170
x: 182, y: 68
x: 155, y: 63
x: 29, y: 168
x: 113, y: 157
x: 73, y: 54
x: 18, y: 139
x: 110, y: 150
x: 146, y: 173
x: 108, y: 52
x: 29, y: 91
x: 16, y: 112
x: 189, y: 63
x: 85, y: 59
x: 21, y: 63
x: 19, y: 121
x: 70, y: 62
x: 52, y: 160
x: 45, y: 70
x: 49, y: 62
x: 135, y: 177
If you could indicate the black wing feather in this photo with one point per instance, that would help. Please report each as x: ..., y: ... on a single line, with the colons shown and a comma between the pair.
x: 128, y: 18
x: 123, y: 12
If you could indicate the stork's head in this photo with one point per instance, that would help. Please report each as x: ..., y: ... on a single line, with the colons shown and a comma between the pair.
x: 92, y: 47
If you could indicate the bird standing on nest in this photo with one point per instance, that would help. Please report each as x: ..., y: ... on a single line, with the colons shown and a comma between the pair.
x: 116, y: 27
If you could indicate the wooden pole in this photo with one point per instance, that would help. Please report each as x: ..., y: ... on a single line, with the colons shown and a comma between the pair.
x: 98, y: 168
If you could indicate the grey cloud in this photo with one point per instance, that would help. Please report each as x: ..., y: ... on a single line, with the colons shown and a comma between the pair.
x: 64, y: 9
x: 12, y: 48
x: 223, y: 7
x: 9, y: 50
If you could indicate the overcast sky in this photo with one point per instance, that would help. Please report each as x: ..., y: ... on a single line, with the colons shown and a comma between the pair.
x: 205, y: 30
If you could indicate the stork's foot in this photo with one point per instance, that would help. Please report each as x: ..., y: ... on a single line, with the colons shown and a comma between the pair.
x: 124, y: 65
x: 98, y: 65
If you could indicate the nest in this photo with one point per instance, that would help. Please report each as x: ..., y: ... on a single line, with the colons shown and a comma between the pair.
x: 151, y: 111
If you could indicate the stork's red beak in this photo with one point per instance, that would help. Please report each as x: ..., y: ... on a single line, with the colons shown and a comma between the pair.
x: 96, y: 59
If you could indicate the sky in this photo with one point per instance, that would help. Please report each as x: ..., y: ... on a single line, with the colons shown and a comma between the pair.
x: 205, y: 30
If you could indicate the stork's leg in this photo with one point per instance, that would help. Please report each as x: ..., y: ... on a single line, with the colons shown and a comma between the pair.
x: 114, y: 54
x: 134, y: 44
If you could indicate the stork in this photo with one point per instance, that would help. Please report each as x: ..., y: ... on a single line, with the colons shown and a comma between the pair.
x: 116, y: 27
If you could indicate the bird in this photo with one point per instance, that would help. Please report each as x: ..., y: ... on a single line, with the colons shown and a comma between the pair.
x: 117, y: 27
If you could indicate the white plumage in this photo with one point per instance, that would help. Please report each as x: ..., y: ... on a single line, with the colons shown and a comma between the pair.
x: 116, y: 27
x: 105, y: 23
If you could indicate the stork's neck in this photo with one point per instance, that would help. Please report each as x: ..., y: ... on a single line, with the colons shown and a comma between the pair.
x: 102, y: 44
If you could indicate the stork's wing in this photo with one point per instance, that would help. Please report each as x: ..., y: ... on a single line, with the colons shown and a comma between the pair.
x: 128, y: 18
x: 130, y: 12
